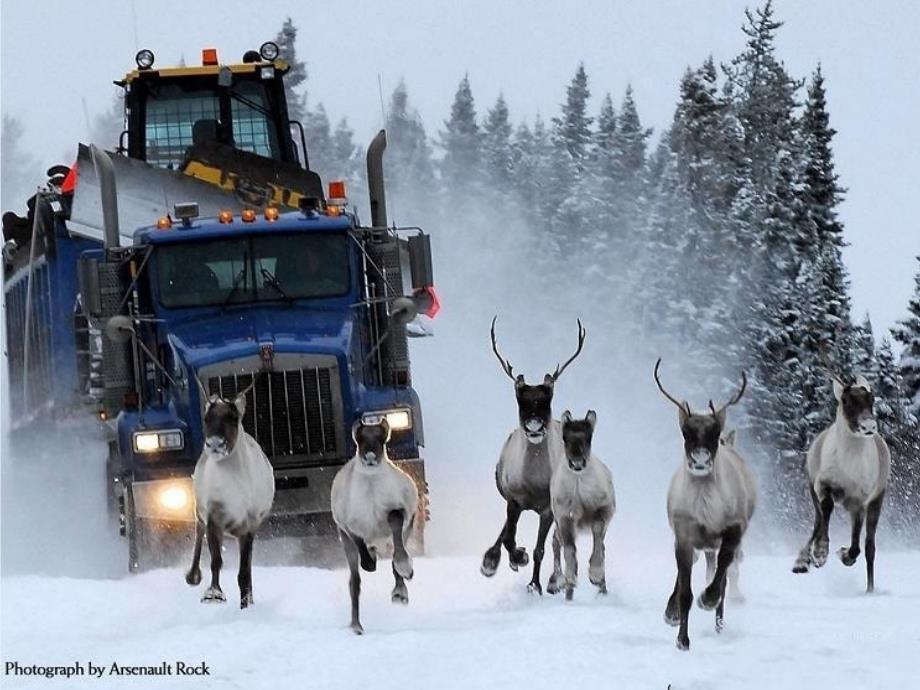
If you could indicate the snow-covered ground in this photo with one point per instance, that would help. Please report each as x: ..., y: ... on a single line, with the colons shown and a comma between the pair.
x: 461, y: 630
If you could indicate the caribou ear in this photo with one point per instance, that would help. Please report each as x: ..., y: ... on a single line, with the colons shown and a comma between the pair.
x: 729, y: 438
x: 354, y: 428
x: 591, y: 418
x: 720, y: 416
x: 566, y: 417
x: 519, y: 382
x: 240, y: 403
x: 385, y: 425
x: 863, y: 382
x: 838, y: 390
x: 548, y: 380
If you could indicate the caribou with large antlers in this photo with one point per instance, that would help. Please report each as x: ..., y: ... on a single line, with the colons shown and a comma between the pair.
x: 710, y: 503
x: 526, y: 465
x: 848, y: 463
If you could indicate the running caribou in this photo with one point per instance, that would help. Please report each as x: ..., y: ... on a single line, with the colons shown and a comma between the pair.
x: 710, y: 503
x: 848, y: 463
x: 234, y: 489
x: 373, y: 502
x: 526, y: 465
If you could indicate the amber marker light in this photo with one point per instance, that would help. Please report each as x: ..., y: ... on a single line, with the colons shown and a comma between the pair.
x: 248, y: 215
x: 164, y: 223
x: 225, y: 217
x: 271, y: 213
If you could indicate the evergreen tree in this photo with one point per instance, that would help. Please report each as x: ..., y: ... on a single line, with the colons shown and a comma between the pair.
x: 891, y: 406
x: 572, y: 130
x: 864, y: 352
x: 107, y: 126
x: 319, y: 140
x: 20, y: 173
x: 907, y: 332
x: 497, y: 149
x: 294, y: 81
x: 411, y: 188
x: 461, y: 141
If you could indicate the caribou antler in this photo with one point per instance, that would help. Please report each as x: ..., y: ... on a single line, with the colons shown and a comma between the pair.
x: 506, y: 365
x: 734, y: 399
x: 683, y: 406
x: 248, y: 388
x: 582, y: 334
x: 828, y: 366
x: 205, y: 396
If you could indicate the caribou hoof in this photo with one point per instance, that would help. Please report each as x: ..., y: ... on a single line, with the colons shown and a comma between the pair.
x: 683, y: 644
x: 720, y: 623
x: 490, y: 563
x: 708, y: 600
x: 601, y: 587
x: 246, y: 600
x: 672, y: 618
x: 193, y: 577
x: 357, y: 629
x: 534, y: 588
x: 400, y: 596
x: 597, y: 578
x: 800, y: 567
x: 213, y: 596
x: 518, y: 558
x: 554, y: 586
x: 846, y: 557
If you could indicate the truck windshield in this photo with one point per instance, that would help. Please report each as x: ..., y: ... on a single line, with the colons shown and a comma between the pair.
x: 258, y: 268
x: 183, y: 113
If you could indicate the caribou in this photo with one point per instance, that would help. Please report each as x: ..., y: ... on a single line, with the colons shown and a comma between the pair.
x: 710, y: 503
x: 848, y: 464
x: 582, y: 496
x: 234, y: 489
x: 530, y: 454
x: 373, y: 502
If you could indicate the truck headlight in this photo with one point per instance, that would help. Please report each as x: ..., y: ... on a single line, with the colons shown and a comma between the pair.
x: 398, y: 420
x: 154, y: 441
x: 174, y: 497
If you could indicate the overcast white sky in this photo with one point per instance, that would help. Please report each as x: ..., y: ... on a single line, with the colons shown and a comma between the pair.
x: 57, y: 53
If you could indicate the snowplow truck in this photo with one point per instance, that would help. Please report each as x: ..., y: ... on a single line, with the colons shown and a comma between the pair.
x: 204, y: 247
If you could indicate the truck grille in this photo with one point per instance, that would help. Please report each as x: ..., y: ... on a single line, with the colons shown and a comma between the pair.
x: 295, y: 415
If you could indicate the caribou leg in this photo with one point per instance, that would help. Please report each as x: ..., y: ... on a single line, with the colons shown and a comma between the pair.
x: 596, y: 564
x: 402, y: 563
x: 714, y: 592
x: 683, y: 552
x: 822, y: 542
x: 566, y: 529
x: 244, y: 578
x: 493, y: 555
x: 672, y: 610
x: 872, y: 515
x: 193, y: 576
x: 215, y: 537
x: 734, y: 575
x: 848, y: 555
x: 555, y: 580
x: 804, y: 560
x: 710, y: 566
x: 546, y: 521
x: 720, y: 608
x: 354, y: 581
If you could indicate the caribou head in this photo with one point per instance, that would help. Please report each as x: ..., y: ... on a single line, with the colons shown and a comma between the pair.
x: 371, y: 441
x: 222, y: 420
x: 855, y: 402
x: 535, y: 402
x: 576, y: 437
x: 701, y: 431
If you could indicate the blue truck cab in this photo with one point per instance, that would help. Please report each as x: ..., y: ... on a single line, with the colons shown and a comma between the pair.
x: 307, y: 310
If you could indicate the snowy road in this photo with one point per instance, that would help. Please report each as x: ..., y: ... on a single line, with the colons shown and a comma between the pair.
x: 464, y: 631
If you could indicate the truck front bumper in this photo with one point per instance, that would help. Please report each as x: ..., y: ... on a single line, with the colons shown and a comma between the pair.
x: 298, y: 491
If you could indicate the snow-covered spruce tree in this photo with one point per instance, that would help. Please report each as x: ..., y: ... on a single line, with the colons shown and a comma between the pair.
x: 297, y: 76
x: 461, y: 141
x: 907, y: 332
x: 863, y: 354
x: 409, y: 169
x: 20, y: 172
x: 318, y: 134
x: 891, y: 406
x: 497, y: 149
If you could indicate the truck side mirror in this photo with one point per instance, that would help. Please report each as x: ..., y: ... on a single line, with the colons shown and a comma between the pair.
x: 420, y: 265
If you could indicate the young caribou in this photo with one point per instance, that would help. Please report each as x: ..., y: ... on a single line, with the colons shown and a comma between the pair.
x: 234, y: 489
x: 373, y: 501
x: 526, y: 464
x: 582, y: 496
x: 848, y: 463
x: 710, y: 503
